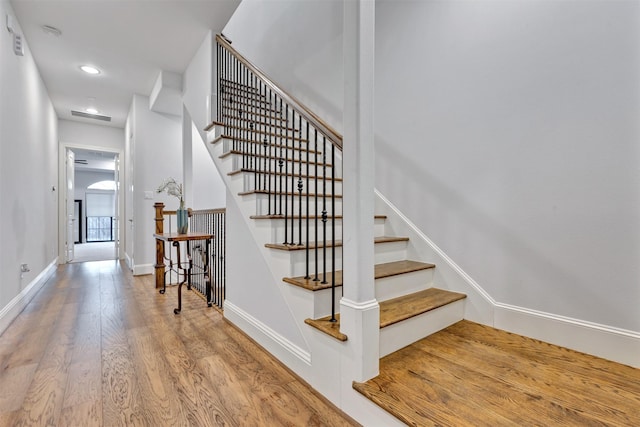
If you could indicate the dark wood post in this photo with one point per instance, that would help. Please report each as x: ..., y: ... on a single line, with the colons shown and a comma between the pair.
x: 159, y: 207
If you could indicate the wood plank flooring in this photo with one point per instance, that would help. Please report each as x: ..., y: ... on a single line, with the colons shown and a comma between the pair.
x: 474, y: 375
x: 98, y: 347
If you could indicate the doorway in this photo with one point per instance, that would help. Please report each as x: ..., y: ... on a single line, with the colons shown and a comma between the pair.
x: 92, y: 196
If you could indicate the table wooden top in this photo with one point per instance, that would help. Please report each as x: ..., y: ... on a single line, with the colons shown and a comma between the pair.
x: 175, y: 237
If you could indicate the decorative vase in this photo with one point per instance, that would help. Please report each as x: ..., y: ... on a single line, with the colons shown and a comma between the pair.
x: 183, y: 219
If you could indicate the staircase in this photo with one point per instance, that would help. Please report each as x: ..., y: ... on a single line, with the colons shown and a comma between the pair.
x: 283, y: 167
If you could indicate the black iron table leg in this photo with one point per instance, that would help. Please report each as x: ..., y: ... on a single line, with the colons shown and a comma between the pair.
x: 189, y: 261
x: 177, y: 310
x: 164, y: 282
x: 207, y: 272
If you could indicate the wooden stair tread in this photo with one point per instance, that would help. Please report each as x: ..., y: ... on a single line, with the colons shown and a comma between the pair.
x: 263, y: 120
x: 235, y: 84
x: 304, y: 176
x: 396, y: 268
x: 249, y: 101
x: 472, y: 374
x: 381, y: 271
x: 314, y: 245
x: 397, y: 309
x: 274, y: 146
x: 260, y: 125
x: 407, y: 306
x: 286, y: 139
x: 288, y: 159
x: 269, y: 117
x: 282, y: 193
x: 305, y: 217
x: 330, y: 328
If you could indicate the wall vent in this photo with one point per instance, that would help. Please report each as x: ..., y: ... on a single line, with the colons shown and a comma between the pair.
x: 91, y: 116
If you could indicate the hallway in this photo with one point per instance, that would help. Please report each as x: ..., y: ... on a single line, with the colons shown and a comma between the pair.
x: 113, y: 353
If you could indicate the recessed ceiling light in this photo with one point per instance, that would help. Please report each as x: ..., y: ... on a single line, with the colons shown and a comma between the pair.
x: 91, y: 111
x: 90, y: 69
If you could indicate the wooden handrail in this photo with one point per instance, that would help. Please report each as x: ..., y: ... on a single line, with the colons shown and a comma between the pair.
x: 334, y: 137
x: 208, y: 211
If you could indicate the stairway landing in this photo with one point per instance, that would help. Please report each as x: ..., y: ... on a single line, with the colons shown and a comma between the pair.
x: 471, y: 374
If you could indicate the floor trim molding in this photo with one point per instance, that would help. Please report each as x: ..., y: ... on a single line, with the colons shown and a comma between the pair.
x: 608, y: 342
x: 15, y: 306
x: 275, y: 343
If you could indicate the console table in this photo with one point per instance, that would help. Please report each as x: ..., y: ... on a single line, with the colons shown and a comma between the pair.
x: 183, y: 267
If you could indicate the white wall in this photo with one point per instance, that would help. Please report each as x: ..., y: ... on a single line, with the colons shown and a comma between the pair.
x: 508, y: 132
x: 299, y: 45
x: 207, y: 189
x: 129, y: 186
x: 197, y: 84
x: 91, y: 135
x: 28, y: 170
x: 156, y: 149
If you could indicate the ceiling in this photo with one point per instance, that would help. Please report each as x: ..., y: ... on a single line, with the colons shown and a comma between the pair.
x: 130, y: 41
x: 94, y: 161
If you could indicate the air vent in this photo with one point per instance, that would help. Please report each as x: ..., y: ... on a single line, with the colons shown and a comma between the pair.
x: 81, y: 162
x: 90, y: 116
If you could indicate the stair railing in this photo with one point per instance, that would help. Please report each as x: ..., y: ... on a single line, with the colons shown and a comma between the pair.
x: 292, y: 155
x: 212, y: 221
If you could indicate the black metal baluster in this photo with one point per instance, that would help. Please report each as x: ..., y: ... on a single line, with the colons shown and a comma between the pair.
x: 263, y: 126
x: 269, y: 162
x: 238, y: 109
x: 218, y: 82
x: 245, y: 130
x: 286, y: 170
x: 324, y: 209
x: 333, y: 235
x: 315, y: 210
x: 306, y: 276
x: 300, y: 186
x: 281, y: 164
x: 293, y: 171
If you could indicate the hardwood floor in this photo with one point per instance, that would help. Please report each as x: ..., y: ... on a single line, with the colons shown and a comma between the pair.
x: 473, y: 375
x: 97, y: 347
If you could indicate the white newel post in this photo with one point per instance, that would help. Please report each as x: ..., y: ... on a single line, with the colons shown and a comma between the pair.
x: 359, y: 309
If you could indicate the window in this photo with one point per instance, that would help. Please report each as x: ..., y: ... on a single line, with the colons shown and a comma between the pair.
x: 100, y: 216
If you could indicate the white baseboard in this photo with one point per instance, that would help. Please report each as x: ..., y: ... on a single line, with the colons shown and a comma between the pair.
x: 129, y: 261
x: 15, y: 306
x: 294, y: 357
x: 142, y: 269
x: 610, y: 343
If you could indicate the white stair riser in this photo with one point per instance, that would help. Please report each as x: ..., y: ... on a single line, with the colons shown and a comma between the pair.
x: 322, y: 302
x: 383, y: 252
x: 399, y: 335
x: 270, y: 181
x: 271, y: 204
x: 241, y: 130
x: 288, y: 167
x: 277, y: 228
x: 278, y: 149
x: 275, y: 150
x: 403, y: 284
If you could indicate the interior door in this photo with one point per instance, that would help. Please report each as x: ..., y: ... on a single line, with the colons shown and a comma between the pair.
x: 116, y: 198
x: 70, y: 203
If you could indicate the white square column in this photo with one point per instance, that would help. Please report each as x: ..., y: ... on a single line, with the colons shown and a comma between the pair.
x: 359, y: 310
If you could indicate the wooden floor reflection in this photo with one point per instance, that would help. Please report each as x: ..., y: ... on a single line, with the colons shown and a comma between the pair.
x: 97, y: 346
